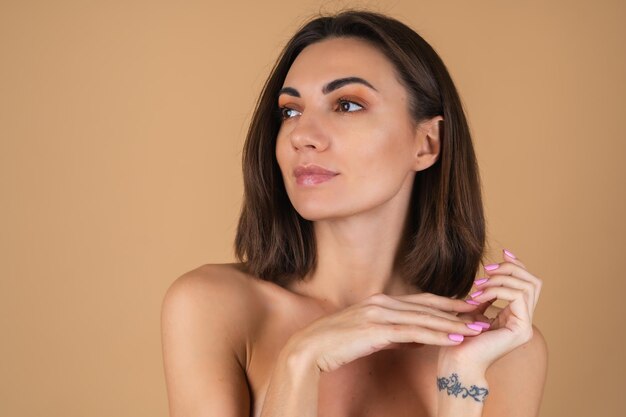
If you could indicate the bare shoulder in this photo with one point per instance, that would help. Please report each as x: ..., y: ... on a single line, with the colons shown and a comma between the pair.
x: 211, y: 278
x: 517, y: 380
x: 218, y: 292
x: 207, y: 315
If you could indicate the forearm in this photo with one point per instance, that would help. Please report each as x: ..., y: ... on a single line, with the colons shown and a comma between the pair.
x: 462, y: 390
x: 293, y: 388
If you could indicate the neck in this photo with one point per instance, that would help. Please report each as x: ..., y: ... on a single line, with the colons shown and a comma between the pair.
x: 356, y: 256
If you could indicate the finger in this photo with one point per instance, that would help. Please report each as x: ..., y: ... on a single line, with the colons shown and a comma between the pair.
x: 482, y: 307
x: 408, y: 345
x: 511, y: 282
x: 404, y: 333
x: 518, y: 305
x: 449, y: 307
x: 422, y: 319
x: 439, y: 302
x: 508, y: 268
x: 510, y: 256
x: 408, y: 306
x: 477, y: 318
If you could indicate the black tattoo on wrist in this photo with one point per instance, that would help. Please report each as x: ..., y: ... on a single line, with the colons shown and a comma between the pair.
x: 453, y: 387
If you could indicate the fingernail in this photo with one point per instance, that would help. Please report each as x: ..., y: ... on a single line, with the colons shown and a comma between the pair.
x: 481, y: 281
x: 476, y: 294
x: 474, y: 327
x: 472, y: 302
x: 491, y: 267
x: 482, y: 324
x: 509, y: 254
x: 456, y: 337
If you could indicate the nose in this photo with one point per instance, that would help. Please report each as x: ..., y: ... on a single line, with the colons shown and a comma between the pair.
x: 308, y: 133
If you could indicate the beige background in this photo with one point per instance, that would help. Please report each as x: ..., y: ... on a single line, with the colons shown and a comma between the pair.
x: 121, y: 126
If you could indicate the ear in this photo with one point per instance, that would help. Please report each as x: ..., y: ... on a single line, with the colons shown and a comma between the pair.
x: 427, y: 143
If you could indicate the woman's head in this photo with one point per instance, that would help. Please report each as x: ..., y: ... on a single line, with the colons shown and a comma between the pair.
x: 398, y: 98
x: 344, y: 108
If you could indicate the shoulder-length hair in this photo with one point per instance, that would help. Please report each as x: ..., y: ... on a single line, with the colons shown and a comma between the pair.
x: 444, y: 237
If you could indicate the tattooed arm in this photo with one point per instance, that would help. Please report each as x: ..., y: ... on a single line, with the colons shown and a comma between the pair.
x: 510, y: 353
x: 512, y: 386
x: 462, y: 390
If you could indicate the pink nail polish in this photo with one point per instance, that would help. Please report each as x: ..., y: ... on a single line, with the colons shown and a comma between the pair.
x: 491, y: 267
x: 482, y: 324
x: 474, y: 327
x: 472, y: 302
x: 456, y: 337
x: 510, y: 254
x: 481, y: 281
x: 476, y: 294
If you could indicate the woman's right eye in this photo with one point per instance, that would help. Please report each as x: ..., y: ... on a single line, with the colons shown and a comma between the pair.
x: 287, y: 113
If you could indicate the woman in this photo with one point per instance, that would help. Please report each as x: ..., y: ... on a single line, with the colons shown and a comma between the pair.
x: 361, y: 231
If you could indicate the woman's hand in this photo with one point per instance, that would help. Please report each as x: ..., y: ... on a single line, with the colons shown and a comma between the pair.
x: 512, y: 327
x: 381, y: 322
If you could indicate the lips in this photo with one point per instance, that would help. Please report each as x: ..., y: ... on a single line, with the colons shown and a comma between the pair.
x: 312, y: 174
x: 312, y: 170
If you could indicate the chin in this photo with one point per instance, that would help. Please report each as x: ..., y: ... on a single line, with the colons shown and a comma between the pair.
x: 315, y: 213
x: 319, y: 210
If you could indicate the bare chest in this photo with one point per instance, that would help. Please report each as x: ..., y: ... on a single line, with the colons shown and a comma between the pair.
x: 390, y: 383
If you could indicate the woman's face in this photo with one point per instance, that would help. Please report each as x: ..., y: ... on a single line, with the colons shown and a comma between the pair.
x: 344, y: 110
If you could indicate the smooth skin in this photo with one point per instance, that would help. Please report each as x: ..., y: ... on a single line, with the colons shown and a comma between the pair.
x: 367, y: 136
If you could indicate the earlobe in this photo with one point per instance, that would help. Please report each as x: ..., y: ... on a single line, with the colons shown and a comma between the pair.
x: 428, y: 141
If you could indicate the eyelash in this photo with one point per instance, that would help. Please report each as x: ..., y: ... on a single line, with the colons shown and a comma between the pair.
x: 340, y: 101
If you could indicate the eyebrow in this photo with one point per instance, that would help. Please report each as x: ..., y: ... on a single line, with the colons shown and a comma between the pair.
x: 330, y: 87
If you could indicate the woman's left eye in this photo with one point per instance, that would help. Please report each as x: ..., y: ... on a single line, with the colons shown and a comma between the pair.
x: 349, y: 106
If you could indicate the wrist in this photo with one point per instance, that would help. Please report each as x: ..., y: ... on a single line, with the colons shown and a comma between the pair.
x: 461, y: 385
x: 471, y: 374
x: 451, y: 363
x: 460, y: 395
x: 298, y: 359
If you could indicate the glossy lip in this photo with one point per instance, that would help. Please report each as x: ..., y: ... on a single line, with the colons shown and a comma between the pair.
x: 312, y: 170
x: 312, y: 174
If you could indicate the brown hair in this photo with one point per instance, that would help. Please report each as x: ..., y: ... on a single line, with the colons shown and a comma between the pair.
x: 444, y: 238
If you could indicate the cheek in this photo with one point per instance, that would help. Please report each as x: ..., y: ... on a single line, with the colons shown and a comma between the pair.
x: 280, y: 151
x: 382, y: 152
x: 377, y: 166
